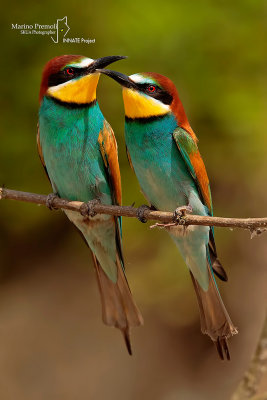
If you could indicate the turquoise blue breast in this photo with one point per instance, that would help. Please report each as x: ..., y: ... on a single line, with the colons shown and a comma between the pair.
x: 158, y: 164
x: 69, y: 142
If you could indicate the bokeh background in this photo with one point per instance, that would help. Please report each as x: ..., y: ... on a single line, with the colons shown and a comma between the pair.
x: 53, y: 344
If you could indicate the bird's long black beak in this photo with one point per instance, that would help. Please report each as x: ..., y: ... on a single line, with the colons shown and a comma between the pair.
x: 122, y: 79
x: 104, y: 62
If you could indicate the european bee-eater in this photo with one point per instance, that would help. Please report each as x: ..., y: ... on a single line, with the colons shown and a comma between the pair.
x: 162, y: 149
x: 78, y: 150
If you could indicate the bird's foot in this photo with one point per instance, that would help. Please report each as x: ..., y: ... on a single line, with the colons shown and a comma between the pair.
x: 180, y: 213
x: 141, y: 213
x: 50, y: 201
x: 87, y: 209
x: 178, y: 218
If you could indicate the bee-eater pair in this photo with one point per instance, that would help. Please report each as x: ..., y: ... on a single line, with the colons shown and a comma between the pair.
x: 79, y: 152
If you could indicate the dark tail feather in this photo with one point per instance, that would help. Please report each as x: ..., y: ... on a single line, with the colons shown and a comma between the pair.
x: 219, y: 270
x: 118, y: 307
x: 222, y: 348
x: 216, y: 265
x: 214, y: 318
x: 126, y: 335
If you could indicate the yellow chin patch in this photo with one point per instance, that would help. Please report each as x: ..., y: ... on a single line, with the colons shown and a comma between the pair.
x: 80, y: 91
x: 138, y: 105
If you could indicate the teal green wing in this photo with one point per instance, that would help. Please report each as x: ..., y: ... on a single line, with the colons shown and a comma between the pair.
x: 188, y: 148
x: 191, y: 155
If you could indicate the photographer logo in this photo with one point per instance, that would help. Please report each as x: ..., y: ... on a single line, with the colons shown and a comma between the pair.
x: 57, y: 31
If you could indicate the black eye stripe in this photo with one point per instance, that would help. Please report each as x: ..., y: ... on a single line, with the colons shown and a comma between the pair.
x: 62, y: 76
x: 158, y: 94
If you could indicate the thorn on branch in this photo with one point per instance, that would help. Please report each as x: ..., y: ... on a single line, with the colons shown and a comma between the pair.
x: 180, y: 221
x: 162, y: 226
x: 254, y: 232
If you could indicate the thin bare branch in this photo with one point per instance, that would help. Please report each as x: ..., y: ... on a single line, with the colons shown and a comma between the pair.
x: 255, y: 225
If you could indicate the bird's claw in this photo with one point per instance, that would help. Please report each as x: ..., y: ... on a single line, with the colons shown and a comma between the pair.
x: 87, y: 209
x: 50, y: 200
x: 140, y: 213
x: 180, y: 212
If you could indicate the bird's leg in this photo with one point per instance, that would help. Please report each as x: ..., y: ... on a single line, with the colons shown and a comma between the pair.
x: 178, y: 215
x: 50, y: 200
x: 180, y: 212
x: 141, y: 211
x: 87, y: 209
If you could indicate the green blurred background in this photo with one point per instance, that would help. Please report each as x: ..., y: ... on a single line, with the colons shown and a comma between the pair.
x: 53, y: 344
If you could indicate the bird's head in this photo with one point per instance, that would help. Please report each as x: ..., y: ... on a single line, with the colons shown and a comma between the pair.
x: 149, y: 95
x: 73, y: 78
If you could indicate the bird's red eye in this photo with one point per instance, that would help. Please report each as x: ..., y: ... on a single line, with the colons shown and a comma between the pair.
x: 151, y: 88
x: 69, y: 71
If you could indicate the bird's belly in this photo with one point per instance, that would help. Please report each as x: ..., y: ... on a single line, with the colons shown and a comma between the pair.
x: 76, y: 169
x: 160, y: 189
x: 163, y: 176
x: 77, y: 176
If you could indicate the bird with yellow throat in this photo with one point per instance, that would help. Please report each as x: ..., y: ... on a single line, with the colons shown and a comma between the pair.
x: 163, y: 151
x: 78, y: 150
